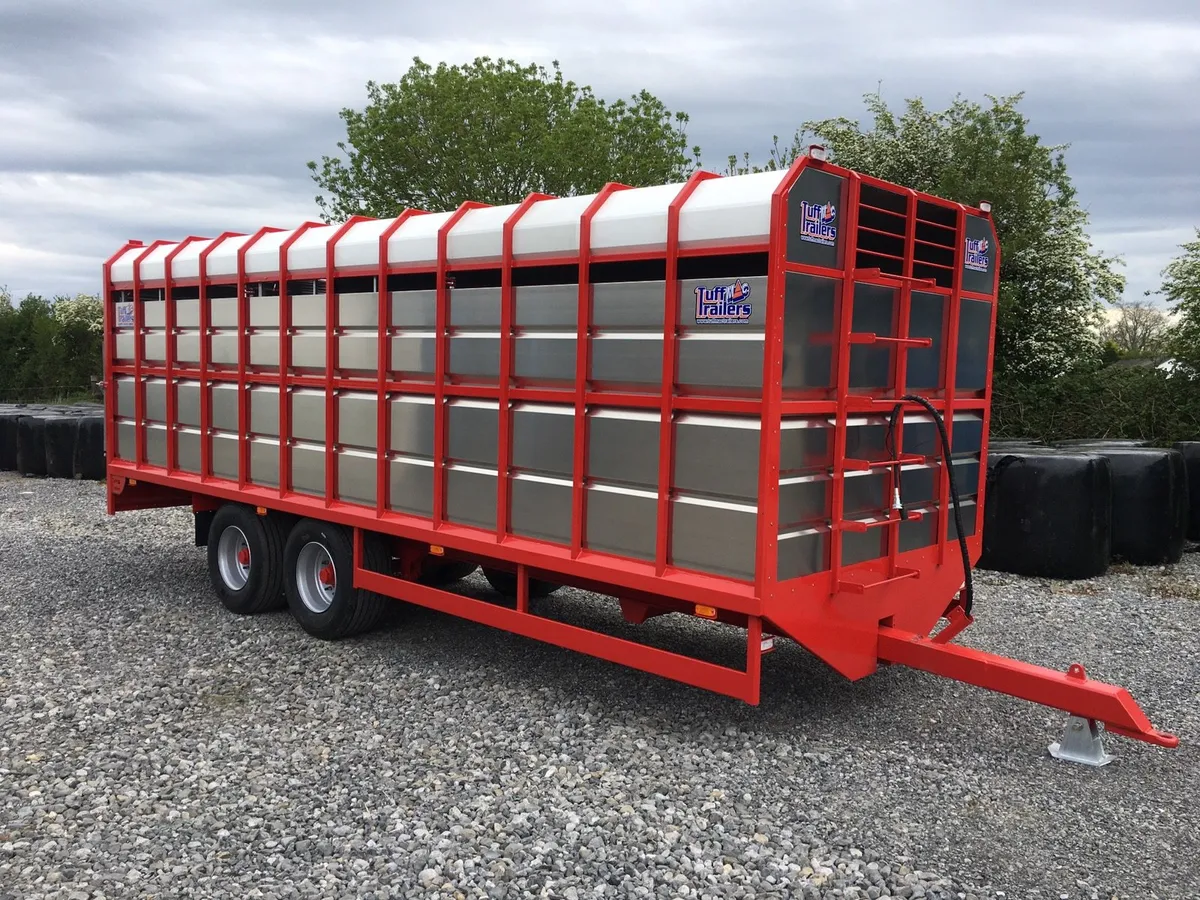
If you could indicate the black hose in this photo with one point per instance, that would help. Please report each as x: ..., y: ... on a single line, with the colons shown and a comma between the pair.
x: 968, y: 585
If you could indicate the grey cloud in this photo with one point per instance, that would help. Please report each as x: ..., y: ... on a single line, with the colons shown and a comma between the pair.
x: 241, y: 93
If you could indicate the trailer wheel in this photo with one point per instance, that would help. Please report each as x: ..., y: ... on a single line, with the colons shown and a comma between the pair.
x: 506, y: 583
x: 245, y: 560
x: 318, y: 564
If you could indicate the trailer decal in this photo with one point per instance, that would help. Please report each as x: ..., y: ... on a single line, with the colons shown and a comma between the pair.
x: 977, y: 254
x: 818, y: 223
x: 724, y: 304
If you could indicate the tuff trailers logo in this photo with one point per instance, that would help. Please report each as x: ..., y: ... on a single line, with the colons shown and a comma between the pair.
x: 725, y: 304
x: 977, y: 255
x: 124, y: 315
x: 818, y: 223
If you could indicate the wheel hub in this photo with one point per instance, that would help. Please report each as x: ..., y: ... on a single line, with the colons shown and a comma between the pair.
x: 316, y: 577
x: 233, y: 558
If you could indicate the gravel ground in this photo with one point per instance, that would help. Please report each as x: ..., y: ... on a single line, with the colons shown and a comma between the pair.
x: 152, y: 745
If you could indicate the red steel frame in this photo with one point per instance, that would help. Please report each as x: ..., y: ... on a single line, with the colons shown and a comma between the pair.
x: 852, y: 616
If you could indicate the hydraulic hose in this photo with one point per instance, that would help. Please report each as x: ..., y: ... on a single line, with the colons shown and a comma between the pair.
x: 968, y: 583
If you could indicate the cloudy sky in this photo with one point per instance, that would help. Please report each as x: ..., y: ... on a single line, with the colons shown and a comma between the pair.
x: 123, y: 119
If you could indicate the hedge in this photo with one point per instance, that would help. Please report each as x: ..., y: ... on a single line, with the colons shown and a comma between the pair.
x: 1138, y: 402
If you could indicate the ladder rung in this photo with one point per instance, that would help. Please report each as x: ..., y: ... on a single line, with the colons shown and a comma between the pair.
x: 860, y: 526
x: 859, y: 587
x: 866, y: 337
x: 865, y: 465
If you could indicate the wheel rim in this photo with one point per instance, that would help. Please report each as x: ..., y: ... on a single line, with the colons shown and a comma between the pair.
x: 233, y: 558
x: 316, y: 578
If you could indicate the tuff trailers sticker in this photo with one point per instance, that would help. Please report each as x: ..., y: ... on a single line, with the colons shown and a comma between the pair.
x: 124, y: 315
x: 818, y: 223
x: 725, y: 304
x: 977, y: 255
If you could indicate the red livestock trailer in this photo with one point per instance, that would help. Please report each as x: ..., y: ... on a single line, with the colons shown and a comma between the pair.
x: 760, y: 399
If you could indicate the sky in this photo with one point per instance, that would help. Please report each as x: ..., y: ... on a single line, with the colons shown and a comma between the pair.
x: 148, y: 120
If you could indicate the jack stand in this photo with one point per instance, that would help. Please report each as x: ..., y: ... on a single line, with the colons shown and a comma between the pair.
x: 1082, y: 743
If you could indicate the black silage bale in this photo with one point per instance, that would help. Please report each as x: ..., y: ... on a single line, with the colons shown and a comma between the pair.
x: 1150, y: 504
x: 1190, y: 450
x: 61, y: 432
x: 31, y: 445
x: 1090, y: 443
x: 1047, y: 514
x: 89, y: 462
x: 8, y: 439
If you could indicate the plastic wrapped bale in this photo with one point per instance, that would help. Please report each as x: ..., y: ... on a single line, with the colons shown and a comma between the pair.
x: 1191, y: 457
x: 89, y: 462
x: 1048, y: 514
x: 1150, y: 504
x: 8, y: 439
x: 31, y: 445
x: 1089, y: 443
x: 1013, y: 444
x: 61, y: 432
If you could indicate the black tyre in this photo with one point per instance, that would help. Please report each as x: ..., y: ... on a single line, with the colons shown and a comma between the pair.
x: 319, y: 580
x: 506, y: 584
x: 245, y: 560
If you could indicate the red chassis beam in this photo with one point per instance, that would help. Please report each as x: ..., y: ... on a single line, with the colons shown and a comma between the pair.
x: 1071, y: 691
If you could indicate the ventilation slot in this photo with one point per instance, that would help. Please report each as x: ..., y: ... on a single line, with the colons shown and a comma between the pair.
x: 934, y: 244
x: 882, y: 224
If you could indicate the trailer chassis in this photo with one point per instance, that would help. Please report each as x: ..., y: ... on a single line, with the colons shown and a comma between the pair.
x: 1090, y: 705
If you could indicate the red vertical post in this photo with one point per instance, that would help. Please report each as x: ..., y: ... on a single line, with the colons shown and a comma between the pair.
x: 169, y: 328
x: 666, y: 429
x: 139, y: 351
x: 383, y: 361
x: 754, y: 636
x: 945, y: 504
x: 987, y: 395
x: 766, y: 549
x: 583, y: 360
x: 205, y: 356
x: 507, y: 318
x: 110, y: 352
x: 243, y: 302
x: 285, y: 364
x: 442, y: 350
x: 333, y: 360
x: 842, y: 359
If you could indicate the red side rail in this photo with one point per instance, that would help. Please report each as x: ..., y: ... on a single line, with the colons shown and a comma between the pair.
x: 742, y: 685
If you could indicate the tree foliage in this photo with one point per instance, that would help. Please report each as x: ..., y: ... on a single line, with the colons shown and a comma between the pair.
x: 1140, y: 330
x: 1053, y: 283
x: 1122, y: 401
x: 49, y: 349
x: 1181, y: 289
x: 494, y: 131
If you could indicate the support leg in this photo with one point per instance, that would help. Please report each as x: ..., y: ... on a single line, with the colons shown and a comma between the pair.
x: 1082, y: 743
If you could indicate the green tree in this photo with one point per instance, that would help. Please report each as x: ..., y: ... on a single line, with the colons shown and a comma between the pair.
x: 1053, y: 283
x: 1140, y: 330
x: 49, y: 349
x: 494, y: 131
x: 1181, y: 289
